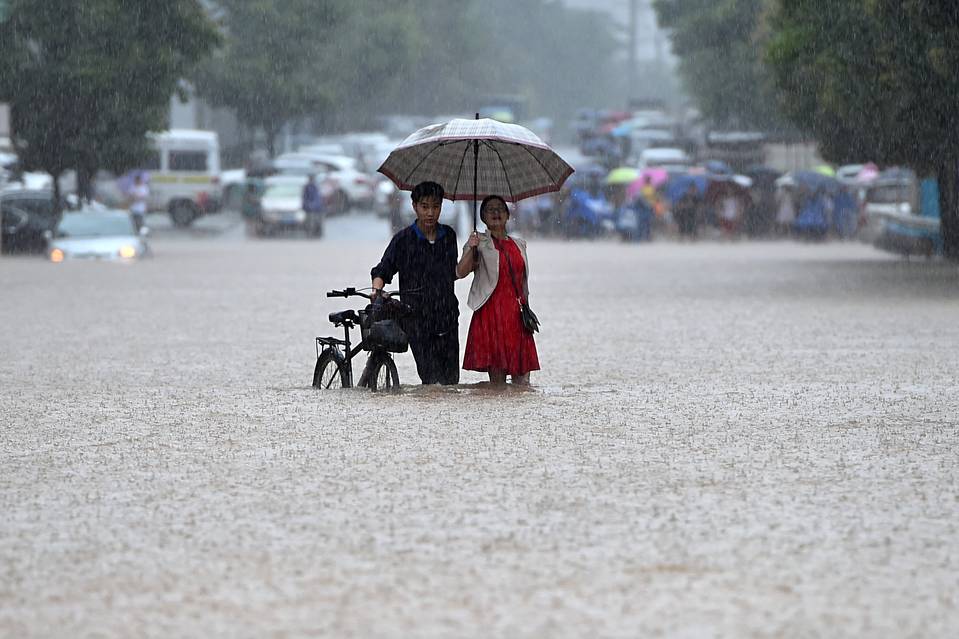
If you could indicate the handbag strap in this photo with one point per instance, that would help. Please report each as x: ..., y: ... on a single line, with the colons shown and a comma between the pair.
x: 512, y: 276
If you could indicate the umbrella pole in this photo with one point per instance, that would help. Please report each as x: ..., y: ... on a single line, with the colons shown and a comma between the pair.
x: 475, y: 166
x: 475, y: 169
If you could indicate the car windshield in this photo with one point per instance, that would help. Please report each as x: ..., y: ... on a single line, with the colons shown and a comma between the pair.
x: 84, y: 225
x: 283, y: 190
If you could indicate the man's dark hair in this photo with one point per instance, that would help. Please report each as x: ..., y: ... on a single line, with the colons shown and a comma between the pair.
x: 427, y: 189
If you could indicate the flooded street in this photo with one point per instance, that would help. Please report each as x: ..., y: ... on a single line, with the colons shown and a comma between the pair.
x: 726, y: 439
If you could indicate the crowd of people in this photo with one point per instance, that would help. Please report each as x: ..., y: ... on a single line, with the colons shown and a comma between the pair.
x: 697, y: 203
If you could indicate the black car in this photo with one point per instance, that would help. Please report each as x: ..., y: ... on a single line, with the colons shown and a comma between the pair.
x: 25, y: 217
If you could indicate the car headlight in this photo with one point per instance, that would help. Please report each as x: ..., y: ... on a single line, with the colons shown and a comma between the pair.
x: 127, y: 251
x: 56, y: 256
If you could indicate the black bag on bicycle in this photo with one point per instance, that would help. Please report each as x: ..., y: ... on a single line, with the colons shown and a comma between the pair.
x: 388, y: 335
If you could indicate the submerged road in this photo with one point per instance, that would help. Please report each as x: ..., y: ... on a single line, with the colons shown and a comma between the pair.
x: 726, y: 439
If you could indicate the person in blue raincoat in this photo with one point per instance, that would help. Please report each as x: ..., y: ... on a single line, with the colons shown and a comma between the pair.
x: 845, y: 214
x: 813, y: 218
x: 314, y: 206
x: 632, y: 219
x: 585, y: 208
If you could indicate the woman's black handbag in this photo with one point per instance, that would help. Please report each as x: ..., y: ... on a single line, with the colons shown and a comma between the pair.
x: 526, y: 314
x: 530, y: 321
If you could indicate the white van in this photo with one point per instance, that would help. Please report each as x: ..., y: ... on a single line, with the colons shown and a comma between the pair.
x: 184, y: 174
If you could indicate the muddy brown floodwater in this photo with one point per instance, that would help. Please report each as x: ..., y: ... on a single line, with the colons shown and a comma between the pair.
x: 736, y: 440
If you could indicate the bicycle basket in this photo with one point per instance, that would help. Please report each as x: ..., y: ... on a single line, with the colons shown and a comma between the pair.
x: 388, y: 335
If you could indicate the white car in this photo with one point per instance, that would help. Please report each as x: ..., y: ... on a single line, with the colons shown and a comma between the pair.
x: 342, y: 183
x: 281, y: 208
x: 663, y: 157
x: 100, y: 235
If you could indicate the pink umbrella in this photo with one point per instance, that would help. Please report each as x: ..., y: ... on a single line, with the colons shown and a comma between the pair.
x: 868, y: 173
x: 654, y: 175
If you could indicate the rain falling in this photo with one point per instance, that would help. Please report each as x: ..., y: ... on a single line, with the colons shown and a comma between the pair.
x: 502, y: 318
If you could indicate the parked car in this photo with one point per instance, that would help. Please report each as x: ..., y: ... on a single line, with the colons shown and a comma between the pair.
x: 281, y: 208
x: 664, y: 157
x: 100, y: 235
x: 903, y: 215
x: 343, y: 184
x: 349, y: 186
x: 27, y: 215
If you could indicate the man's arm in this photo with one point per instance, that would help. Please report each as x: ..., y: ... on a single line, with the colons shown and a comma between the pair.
x: 382, y: 274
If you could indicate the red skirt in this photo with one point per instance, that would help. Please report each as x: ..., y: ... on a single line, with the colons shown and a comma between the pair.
x: 497, y: 339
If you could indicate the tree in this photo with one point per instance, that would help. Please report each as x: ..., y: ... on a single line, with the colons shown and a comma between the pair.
x: 273, y: 66
x: 876, y: 80
x: 717, y: 42
x: 87, y: 81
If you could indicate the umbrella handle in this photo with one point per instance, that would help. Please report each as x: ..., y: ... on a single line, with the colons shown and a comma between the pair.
x: 475, y: 170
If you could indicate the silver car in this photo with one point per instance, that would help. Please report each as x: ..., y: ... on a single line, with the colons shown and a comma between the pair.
x: 99, y: 235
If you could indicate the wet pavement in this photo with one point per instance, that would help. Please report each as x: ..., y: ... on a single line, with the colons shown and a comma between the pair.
x: 726, y: 439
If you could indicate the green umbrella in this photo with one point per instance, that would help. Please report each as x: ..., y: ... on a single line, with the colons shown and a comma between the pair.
x: 622, y: 175
x: 825, y: 169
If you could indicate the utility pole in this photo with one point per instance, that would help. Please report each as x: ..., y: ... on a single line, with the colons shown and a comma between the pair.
x: 633, y: 25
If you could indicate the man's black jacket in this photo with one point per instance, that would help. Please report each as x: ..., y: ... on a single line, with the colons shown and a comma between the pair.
x: 427, y: 273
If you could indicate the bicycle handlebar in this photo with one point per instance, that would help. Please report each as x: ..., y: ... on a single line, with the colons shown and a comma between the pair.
x: 352, y: 292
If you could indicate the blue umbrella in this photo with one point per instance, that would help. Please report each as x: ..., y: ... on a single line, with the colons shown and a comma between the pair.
x: 718, y: 166
x: 678, y: 185
x: 814, y: 181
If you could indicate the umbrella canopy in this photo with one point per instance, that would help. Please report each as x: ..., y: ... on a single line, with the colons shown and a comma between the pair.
x: 814, y: 181
x: 868, y: 172
x: 471, y: 159
x: 679, y: 185
x: 719, y: 167
x: 622, y: 175
x: 655, y: 175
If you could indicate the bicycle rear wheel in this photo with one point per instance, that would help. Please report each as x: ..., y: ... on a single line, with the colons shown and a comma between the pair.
x: 330, y: 371
x: 384, y: 376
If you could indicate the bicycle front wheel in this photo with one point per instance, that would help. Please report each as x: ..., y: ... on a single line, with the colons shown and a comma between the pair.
x: 330, y: 371
x: 384, y: 376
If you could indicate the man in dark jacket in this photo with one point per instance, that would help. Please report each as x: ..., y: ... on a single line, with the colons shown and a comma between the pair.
x: 424, y: 254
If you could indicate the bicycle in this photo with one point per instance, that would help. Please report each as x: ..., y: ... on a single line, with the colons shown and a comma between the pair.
x: 380, y: 334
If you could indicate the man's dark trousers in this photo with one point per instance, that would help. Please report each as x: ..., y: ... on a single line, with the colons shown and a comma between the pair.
x: 437, y: 357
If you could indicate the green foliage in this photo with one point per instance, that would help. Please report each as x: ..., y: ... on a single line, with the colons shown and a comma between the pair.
x: 875, y: 80
x: 362, y: 58
x: 272, y: 68
x: 86, y: 81
x: 718, y: 43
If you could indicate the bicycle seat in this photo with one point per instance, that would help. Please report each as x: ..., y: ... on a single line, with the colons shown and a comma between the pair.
x: 342, y: 317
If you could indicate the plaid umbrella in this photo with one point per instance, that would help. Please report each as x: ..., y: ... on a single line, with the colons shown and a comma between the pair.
x: 471, y: 159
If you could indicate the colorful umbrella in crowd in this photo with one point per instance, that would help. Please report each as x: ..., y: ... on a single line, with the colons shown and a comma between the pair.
x: 471, y: 159
x: 655, y: 176
x: 622, y: 176
x: 825, y: 169
x: 680, y: 185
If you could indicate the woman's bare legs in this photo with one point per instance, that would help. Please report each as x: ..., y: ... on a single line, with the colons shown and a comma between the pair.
x: 521, y: 380
x: 497, y: 377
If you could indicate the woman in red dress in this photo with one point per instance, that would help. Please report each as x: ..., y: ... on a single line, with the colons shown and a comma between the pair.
x: 497, y: 344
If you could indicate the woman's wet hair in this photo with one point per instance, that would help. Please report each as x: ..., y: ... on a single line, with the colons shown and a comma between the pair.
x: 427, y: 189
x: 487, y: 200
